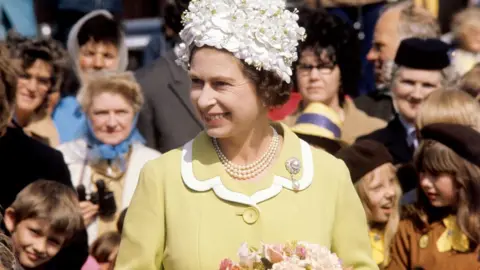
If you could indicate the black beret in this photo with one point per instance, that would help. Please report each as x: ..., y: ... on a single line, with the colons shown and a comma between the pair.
x: 421, y: 53
x: 463, y: 140
x: 363, y: 157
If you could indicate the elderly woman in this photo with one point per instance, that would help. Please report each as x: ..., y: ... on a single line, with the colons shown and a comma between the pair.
x: 328, y: 70
x: 109, y: 150
x: 243, y: 179
x: 43, y: 63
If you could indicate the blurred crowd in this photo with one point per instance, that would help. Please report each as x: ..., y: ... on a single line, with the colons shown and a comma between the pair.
x: 77, y: 125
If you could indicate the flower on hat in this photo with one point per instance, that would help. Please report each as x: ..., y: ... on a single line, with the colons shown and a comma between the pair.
x: 262, y: 33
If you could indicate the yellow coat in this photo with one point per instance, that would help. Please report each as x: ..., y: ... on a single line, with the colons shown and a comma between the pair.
x: 188, y: 214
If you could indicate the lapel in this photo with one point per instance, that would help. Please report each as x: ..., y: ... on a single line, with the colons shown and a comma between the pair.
x: 180, y: 85
x: 397, y: 141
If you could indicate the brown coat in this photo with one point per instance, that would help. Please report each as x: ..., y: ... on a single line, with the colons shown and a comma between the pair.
x: 409, y: 252
x: 356, y: 123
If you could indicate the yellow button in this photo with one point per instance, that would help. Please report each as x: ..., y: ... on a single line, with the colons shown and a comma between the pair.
x: 250, y: 215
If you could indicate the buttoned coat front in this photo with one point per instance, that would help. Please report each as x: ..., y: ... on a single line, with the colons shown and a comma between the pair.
x: 187, y: 213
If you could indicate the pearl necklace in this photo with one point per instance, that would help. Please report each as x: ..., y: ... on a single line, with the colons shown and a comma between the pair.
x: 251, y: 170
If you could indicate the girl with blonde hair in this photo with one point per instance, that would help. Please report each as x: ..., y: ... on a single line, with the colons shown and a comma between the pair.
x: 375, y: 180
x: 449, y: 106
x: 442, y: 230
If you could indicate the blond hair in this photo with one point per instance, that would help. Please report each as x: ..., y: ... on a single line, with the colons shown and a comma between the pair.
x: 387, y: 171
x: 122, y: 83
x: 470, y: 82
x: 417, y: 22
x: 435, y: 158
x: 51, y: 201
x: 461, y: 21
x: 449, y: 106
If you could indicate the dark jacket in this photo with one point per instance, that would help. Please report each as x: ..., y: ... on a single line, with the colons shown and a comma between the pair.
x: 24, y: 160
x: 376, y: 104
x: 394, y: 137
x: 167, y: 119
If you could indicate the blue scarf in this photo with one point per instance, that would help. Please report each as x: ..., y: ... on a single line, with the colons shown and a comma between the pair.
x: 101, y: 151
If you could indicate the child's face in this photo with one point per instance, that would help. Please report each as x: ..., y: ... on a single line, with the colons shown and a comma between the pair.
x: 35, y: 244
x: 440, y: 190
x: 380, y: 193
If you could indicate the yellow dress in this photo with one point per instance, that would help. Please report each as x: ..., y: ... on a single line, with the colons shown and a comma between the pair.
x: 188, y: 214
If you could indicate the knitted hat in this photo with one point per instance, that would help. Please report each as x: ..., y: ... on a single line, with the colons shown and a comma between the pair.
x: 463, y: 140
x: 425, y: 54
x: 363, y: 157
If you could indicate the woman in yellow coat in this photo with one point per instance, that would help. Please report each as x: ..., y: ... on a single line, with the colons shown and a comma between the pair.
x: 242, y: 179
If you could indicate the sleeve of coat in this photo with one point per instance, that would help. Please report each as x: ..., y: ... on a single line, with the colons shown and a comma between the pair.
x: 400, y: 252
x: 350, y: 239
x: 143, y: 236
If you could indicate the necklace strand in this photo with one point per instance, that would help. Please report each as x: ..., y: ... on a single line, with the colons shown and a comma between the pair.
x: 251, y: 170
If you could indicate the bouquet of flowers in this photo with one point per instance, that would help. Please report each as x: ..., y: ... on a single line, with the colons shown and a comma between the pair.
x: 291, y: 256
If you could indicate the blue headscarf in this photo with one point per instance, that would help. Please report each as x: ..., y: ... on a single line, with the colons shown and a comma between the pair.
x: 102, y: 151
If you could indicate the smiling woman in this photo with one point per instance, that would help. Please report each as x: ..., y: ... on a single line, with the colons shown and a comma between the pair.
x: 242, y: 174
x: 43, y: 63
x: 109, y: 148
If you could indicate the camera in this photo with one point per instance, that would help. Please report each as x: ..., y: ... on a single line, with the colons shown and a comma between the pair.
x: 103, y: 197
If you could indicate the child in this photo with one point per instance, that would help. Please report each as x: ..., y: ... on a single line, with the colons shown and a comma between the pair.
x: 442, y: 230
x: 105, y: 249
x: 43, y: 218
x: 375, y: 180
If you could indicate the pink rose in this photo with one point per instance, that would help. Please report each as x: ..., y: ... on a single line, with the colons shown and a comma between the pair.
x: 301, y: 252
x: 274, y: 253
x: 226, y: 264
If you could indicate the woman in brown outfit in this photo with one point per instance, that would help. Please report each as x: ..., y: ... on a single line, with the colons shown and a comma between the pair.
x: 442, y: 231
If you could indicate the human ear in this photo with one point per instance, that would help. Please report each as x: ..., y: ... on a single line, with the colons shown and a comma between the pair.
x: 9, y: 219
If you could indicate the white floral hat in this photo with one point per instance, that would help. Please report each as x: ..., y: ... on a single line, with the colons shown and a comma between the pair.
x: 260, y: 32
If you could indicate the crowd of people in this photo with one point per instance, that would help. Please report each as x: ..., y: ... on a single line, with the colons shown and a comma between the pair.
x: 258, y: 126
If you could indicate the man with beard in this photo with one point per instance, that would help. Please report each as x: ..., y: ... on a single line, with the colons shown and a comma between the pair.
x: 420, y: 67
x: 167, y: 119
x: 397, y: 22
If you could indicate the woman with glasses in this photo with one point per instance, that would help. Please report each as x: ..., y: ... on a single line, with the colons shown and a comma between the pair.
x: 328, y: 71
x: 42, y: 68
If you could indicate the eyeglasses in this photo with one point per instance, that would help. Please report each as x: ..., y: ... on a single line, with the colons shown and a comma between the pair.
x: 305, y: 69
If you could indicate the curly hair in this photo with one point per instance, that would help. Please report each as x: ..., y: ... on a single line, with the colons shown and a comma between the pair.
x: 27, y: 51
x: 122, y: 83
x: 8, y: 86
x: 7, y: 255
x: 328, y: 34
x: 272, y: 90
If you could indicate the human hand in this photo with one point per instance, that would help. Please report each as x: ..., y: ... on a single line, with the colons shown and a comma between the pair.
x: 89, y: 211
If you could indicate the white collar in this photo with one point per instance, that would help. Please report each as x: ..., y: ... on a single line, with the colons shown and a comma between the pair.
x: 224, y: 193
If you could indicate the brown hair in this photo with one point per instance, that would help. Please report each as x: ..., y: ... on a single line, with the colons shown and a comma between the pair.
x: 271, y: 89
x: 27, y: 51
x: 435, y: 158
x: 470, y: 82
x: 449, y: 106
x: 122, y: 83
x: 7, y: 256
x: 388, y: 171
x: 51, y: 201
x: 103, y: 247
x: 8, y: 86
